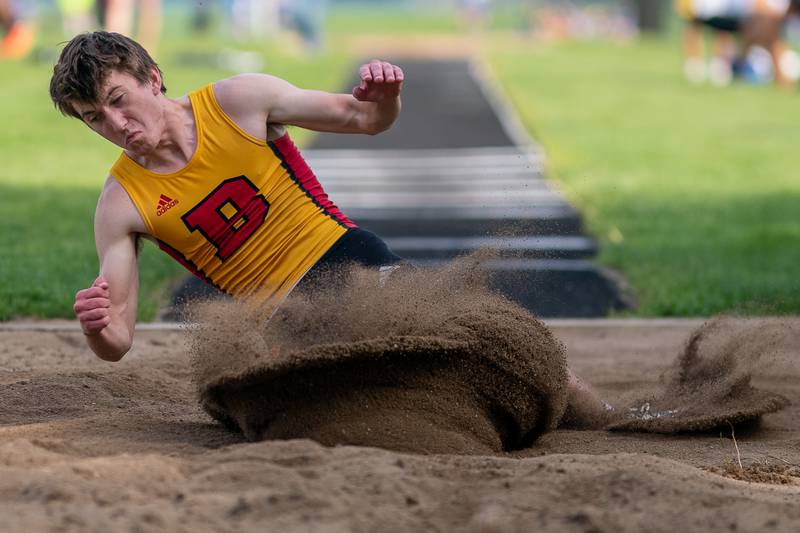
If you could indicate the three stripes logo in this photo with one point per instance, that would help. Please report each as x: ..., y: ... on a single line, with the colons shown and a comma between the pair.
x: 165, y: 203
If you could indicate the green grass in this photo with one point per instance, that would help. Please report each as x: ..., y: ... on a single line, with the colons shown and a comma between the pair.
x: 53, y: 168
x: 692, y: 191
x: 394, y: 21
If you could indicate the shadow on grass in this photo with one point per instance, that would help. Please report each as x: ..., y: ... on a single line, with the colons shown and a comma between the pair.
x: 49, y: 253
x: 698, y: 256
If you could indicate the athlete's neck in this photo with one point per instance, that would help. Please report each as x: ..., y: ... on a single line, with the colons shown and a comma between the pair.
x: 177, y: 138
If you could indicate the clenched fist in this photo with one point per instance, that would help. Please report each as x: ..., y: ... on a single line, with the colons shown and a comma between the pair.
x: 91, y: 307
x: 379, y: 81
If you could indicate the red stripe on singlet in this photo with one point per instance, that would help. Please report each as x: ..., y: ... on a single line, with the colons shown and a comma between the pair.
x: 302, y: 174
x: 188, y: 265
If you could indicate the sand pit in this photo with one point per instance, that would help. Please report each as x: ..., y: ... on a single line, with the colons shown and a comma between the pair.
x: 135, y: 452
x: 708, y: 385
x: 433, y: 362
x: 426, y: 362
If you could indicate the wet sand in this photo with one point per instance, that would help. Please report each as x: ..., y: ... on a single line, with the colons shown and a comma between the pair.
x: 93, y: 446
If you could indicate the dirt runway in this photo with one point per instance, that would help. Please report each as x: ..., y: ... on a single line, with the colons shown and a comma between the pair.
x: 93, y: 446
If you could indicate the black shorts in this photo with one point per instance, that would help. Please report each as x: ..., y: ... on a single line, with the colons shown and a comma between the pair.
x: 356, y: 246
x: 727, y: 24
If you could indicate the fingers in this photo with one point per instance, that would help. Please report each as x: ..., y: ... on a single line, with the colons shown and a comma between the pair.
x: 379, y: 80
x: 92, y: 292
x: 398, y: 73
x: 376, y: 68
x: 95, y: 326
x: 84, y: 305
x: 94, y: 320
x: 365, y: 73
x: 378, y: 71
x: 360, y: 91
x: 90, y: 315
x: 92, y: 306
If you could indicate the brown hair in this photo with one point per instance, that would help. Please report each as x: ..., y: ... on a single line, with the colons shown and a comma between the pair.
x: 86, y: 62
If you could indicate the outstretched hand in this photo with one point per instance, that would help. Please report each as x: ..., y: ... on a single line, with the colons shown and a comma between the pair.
x: 379, y: 81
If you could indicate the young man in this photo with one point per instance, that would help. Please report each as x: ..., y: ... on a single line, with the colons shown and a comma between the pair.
x: 212, y: 178
x: 215, y: 181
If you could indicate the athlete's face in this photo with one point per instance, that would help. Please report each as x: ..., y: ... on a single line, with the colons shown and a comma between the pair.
x: 127, y: 113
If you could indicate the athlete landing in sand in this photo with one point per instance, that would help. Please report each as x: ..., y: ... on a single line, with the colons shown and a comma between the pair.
x: 213, y: 178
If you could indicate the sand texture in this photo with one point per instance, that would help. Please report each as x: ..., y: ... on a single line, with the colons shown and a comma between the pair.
x: 708, y: 385
x: 93, y: 446
x: 427, y: 363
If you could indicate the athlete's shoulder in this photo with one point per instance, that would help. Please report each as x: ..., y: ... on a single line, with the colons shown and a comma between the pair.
x: 249, y: 99
x: 115, y: 208
x: 248, y: 92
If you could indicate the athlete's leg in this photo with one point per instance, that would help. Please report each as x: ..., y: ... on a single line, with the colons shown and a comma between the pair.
x: 119, y: 16
x: 150, y: 24
x: 585, y: 409
x: 6, y: 15
x: 720, y: 70
x: 694, y: 64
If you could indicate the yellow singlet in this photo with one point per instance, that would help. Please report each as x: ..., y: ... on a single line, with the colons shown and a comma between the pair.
x: 244, y: 214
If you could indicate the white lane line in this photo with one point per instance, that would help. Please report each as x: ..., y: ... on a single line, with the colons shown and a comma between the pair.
x: 470, y: 194
x: 460, y: 213
x: 410, y: 161
x: 387, y: 201
x: 483, y: 151
x: 527, y: 264
x: 503, y: 109
x: 566, y: 243
x: 424, y: 186
x: 367, y: 171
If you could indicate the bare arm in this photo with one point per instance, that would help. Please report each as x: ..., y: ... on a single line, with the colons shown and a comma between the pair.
x: 252, y: 100
x: 107, y: 309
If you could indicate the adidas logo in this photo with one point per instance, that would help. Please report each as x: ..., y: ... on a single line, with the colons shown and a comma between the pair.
x: 165, y: 203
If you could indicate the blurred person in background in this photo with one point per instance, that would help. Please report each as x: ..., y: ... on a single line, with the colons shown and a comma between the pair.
x: 254, y: 19
x: 307, y: 19
x: 752, y: 22
x: 550, y: 21
x: 18, y: 34
x: 474, y: 13
x: 76, y: 15
x: 118, y: 17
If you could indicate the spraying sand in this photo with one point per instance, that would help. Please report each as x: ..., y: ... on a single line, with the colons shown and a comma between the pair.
x: 433, y: 362
x: 708, y: 385
x: 426, y: 362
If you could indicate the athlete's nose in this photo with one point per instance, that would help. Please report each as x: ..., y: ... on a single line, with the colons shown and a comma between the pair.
x: 117, y: 121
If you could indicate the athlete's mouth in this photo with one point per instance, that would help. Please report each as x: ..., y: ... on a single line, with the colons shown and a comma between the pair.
x: 131, y: 137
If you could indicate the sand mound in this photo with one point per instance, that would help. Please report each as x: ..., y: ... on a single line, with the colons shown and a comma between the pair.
x: 80, y: 393
x: 428, y: 362
x: 709, y: 384
x: 775, y: 474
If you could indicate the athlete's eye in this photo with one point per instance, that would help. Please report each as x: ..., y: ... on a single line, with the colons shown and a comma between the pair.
x: 118, y: 99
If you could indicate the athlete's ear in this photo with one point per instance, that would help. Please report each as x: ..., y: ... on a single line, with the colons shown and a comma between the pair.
x: 155, y: 81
